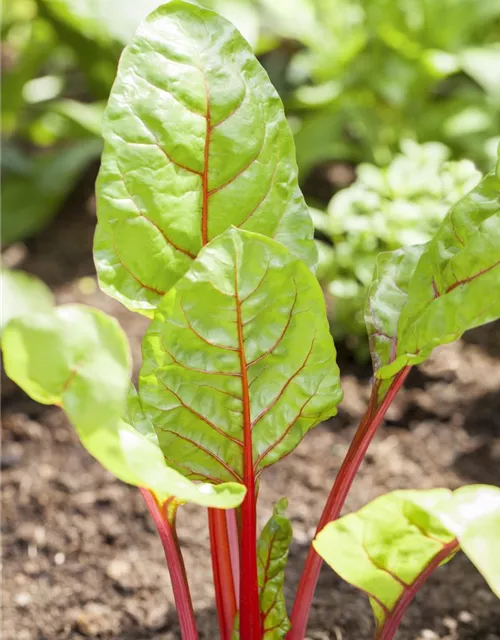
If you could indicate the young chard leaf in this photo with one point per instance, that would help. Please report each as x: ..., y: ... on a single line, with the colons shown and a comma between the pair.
x: 130, y: 450
x: 78, y: 358
x: 259, y: 373
x: 450, y: 288
x: 193, y: 126
x: 272, y: 554
x: 23, y: 294
x: 391, y: 546
x: 386, y: 297
x: 73, y: 356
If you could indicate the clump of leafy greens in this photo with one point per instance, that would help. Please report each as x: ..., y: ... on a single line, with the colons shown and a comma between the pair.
x: 384, y: 209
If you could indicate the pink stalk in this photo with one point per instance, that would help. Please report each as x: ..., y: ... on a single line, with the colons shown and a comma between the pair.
x: 392, y: 623
x: 225, y: 597
x: 343, y: 482
x: 234, y: 549
x: 175, y: 565
x: 249, y: 589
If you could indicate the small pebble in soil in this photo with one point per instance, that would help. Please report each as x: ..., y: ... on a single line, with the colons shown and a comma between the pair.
x: 450, y: 623
x: 59, y: 558
x: 428, y: 634
x: 95, y: 619
x: 22, y: 599
x: 466, y: 617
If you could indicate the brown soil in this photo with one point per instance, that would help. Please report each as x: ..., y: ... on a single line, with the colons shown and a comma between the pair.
x: 82, y: 559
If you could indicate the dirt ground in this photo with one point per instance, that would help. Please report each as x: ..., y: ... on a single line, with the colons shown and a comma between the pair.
x: 81, y: 558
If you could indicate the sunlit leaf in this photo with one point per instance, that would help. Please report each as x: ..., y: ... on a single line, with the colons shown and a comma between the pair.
x: 74, y: 356
x: 23, y: 295
x: 272, y: 554
x: 129, y: 449
x: 88, y: 116
x: 263, y: 361
x: 77, y: 357
x: 391, y: 546
x: 192, y: 127
x: 483, y: 64
x: 450, y: 290
x: 385, y: 299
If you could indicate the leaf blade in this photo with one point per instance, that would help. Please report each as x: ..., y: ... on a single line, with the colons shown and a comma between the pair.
x: 77, y: 357
x: 390, y: 547
x: 222, y: 137
x: 23, y: 294
x: 191, y: 383
x: 385, y: 548
x: 449, y: 290
x: 272, y: 554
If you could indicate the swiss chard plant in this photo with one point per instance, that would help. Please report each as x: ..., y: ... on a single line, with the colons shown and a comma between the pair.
x: 202, y: 228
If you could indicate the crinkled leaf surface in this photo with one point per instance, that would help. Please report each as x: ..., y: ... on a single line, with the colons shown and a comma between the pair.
x: 23, y: 295
x: 241, y: 342
x: 455, y: 283
x: 272, y: 554
x: 385, y: 298
x: 386, y: 548
x: 196, y: 140
x: 130, y: 450
x: 77, y: 357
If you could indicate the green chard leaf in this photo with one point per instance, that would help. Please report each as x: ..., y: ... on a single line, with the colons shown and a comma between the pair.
x: 386, y: 297
x: 264, y: 364
x: 23, y: 294
x: 431, y: 294
x: 78, y: 358
x: 390, y: 547
x: 134, y: 455
x: 272, y: 554
x: 74, y: 356
x: 193, y: 126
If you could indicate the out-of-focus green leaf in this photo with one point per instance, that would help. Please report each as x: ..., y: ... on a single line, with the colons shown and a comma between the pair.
x: 107, y: 22
x: 78, y: 358
x: 88, y: 116
x: 483, y: 64
x: 272, y: 554
x: 193, y: 126
x: 321, y: 138
x: 74, y: 356
x: 15, y: 160
x: 389, y: 548
x: 30, y: 200
x: 265, y: 360
x: 23, y: 295
x: 27, y: 57
x: 78, y: 25
x: 451, y: 288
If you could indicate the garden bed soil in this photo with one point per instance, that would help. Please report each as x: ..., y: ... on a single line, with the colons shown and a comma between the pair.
x: 81, y: 558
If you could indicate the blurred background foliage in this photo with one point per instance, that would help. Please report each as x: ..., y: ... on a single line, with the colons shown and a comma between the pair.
x: 361, y: 80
